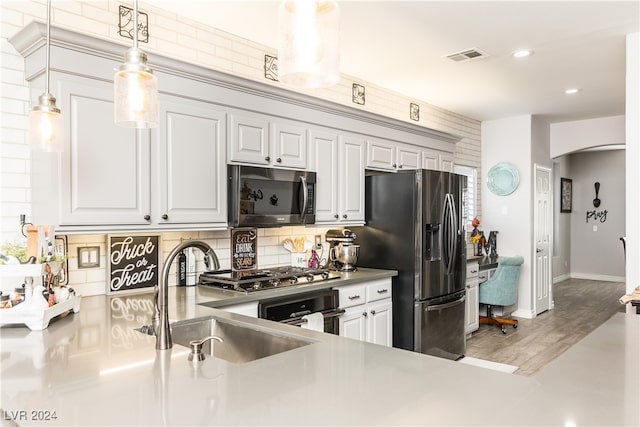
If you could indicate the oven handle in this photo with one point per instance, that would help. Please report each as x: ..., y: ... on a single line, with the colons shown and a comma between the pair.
x: 326, y: 313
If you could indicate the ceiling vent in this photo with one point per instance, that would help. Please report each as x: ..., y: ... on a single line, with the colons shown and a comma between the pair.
x: 467, y: 55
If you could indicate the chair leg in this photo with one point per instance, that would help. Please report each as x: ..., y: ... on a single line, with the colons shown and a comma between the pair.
x: 497, y: 321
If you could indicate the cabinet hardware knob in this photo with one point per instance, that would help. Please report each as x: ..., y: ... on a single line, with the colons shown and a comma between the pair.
x: 352, y: 297
x: 382, y: 291
x: 268, y: 159
x: 279, y: 160
x: 394, y: 165
x: 538, y: 251
x: 474, y: 271
x: 336, y: 216
x: 165, y: 216
x: 373, y: 312
x: 400, y: 166
x: 344, y: 216
x: 147, y: 217
x: 365, y: 314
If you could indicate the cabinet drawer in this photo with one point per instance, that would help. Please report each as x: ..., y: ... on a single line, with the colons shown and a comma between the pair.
x: 352, y: 295
x: 472, y: 270
x: 380, y: 289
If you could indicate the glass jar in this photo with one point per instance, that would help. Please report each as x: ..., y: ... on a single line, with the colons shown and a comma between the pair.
x: 5, y: 301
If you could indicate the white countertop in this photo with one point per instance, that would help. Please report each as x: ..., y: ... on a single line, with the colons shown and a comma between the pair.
x: 92, y: 368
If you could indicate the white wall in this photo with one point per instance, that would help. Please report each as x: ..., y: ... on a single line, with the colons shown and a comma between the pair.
x: 509, y: 140
x: 596, y: 250
x: 568, y: 137
x: 632, y: 128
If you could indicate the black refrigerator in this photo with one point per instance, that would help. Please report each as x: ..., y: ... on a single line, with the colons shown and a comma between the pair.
x: 414, y: 224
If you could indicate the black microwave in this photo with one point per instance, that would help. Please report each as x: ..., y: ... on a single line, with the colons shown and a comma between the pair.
x: 265, y: 197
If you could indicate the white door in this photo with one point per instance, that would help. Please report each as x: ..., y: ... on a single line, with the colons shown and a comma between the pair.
x: 290, y: 145
x: 105, y: 168
x: 325, y: 146
x: 351, y: 206
x: 249, y: 138
x: 191, y: 163
x: 379, y: 323
x: 542, y: 232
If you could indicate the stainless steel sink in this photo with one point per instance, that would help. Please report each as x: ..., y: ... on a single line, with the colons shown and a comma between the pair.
x: 242, y: 343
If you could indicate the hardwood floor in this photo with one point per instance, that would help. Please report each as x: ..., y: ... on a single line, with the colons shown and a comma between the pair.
x: 580, y: 306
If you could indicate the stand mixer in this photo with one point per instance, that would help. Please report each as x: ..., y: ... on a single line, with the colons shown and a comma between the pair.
x: 343, y: 252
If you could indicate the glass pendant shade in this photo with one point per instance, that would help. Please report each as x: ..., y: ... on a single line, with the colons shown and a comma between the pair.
x: 46, y: 126
x: 136, y: 92
x: 309, y: 43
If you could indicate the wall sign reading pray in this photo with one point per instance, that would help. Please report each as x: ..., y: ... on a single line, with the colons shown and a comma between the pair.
x: 133, y: 262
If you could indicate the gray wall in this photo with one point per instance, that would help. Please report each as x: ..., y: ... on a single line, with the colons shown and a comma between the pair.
x: 561, y: 223
x: 598, y: 253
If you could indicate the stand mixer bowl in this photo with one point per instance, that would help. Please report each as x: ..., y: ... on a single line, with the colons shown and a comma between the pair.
x: 345, y: 255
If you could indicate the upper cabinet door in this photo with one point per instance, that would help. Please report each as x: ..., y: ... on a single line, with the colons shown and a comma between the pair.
x: 290, y: 145
x: 409, y: 157
x: 104, y: 171
x: 191, y: 162
x: 325, y: 150
x: 351, y: 157
x: 381, y: 155
x: 430, y: 160
x: 446, y: 162
x: 249, y: 138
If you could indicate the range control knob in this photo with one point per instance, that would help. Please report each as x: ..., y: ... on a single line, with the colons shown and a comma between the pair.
x: 310, y: 277
x: 293, y: 280
x: 325, y: 275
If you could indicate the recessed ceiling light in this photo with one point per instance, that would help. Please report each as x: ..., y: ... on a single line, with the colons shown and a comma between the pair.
x: 572, y: 91
x: 522, y: 53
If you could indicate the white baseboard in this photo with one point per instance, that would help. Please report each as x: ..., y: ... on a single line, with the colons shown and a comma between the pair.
x: 525, y: 314
x: 561, y: 278
x: 600, y: 277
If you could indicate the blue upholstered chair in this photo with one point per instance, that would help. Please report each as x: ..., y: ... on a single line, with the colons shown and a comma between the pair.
x: 501, y: 289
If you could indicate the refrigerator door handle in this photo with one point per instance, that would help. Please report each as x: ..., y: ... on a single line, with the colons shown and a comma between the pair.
x: 454, y: 232
x: 448, y: 233
x: 446, y: 305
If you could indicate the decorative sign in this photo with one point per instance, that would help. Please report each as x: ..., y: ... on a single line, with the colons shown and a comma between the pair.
x: 134, y: 262
x: 244, y: 249
x: 271, y: 68
x: 597, y: 215
x: 357, y: 94
x: 414, y: 111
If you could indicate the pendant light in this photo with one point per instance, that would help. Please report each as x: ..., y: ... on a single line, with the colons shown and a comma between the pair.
x: 136, y: 88
x: 46, y: 124
x: 309, y: 43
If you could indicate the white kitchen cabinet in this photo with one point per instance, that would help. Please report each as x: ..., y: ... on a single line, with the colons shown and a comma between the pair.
x: 191, y: 172
x: 247, y: 309
x: 257, y: 139
x: 381, y: 154
x: 437, y: 160
x: 472, y: 306
x: 339, y: 165
x: 103, y: 176
x: 392, y: 156
x: 408, y: 157
x: 368, y: 312
x: 111, y: 178
x: 446, y: 161
x: 351, y: 181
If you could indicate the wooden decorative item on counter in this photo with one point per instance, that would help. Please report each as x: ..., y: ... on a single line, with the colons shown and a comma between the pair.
x: 134, y: 262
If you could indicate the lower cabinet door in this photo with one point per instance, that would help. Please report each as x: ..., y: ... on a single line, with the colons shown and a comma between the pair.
x: 379, y: 323
x: 472, y: 310
x: 352, y: 324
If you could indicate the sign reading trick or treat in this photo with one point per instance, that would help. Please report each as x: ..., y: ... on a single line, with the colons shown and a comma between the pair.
x: 244, y: 249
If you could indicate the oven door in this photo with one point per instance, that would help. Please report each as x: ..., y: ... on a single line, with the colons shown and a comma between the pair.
x: 265, y: 197
x: 292, y: 309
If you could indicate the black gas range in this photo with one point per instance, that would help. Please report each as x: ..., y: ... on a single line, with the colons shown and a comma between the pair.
x: 264, y: 279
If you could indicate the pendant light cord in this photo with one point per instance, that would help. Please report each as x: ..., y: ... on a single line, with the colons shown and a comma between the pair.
x: 135, y: 24
x: 48, y: 47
